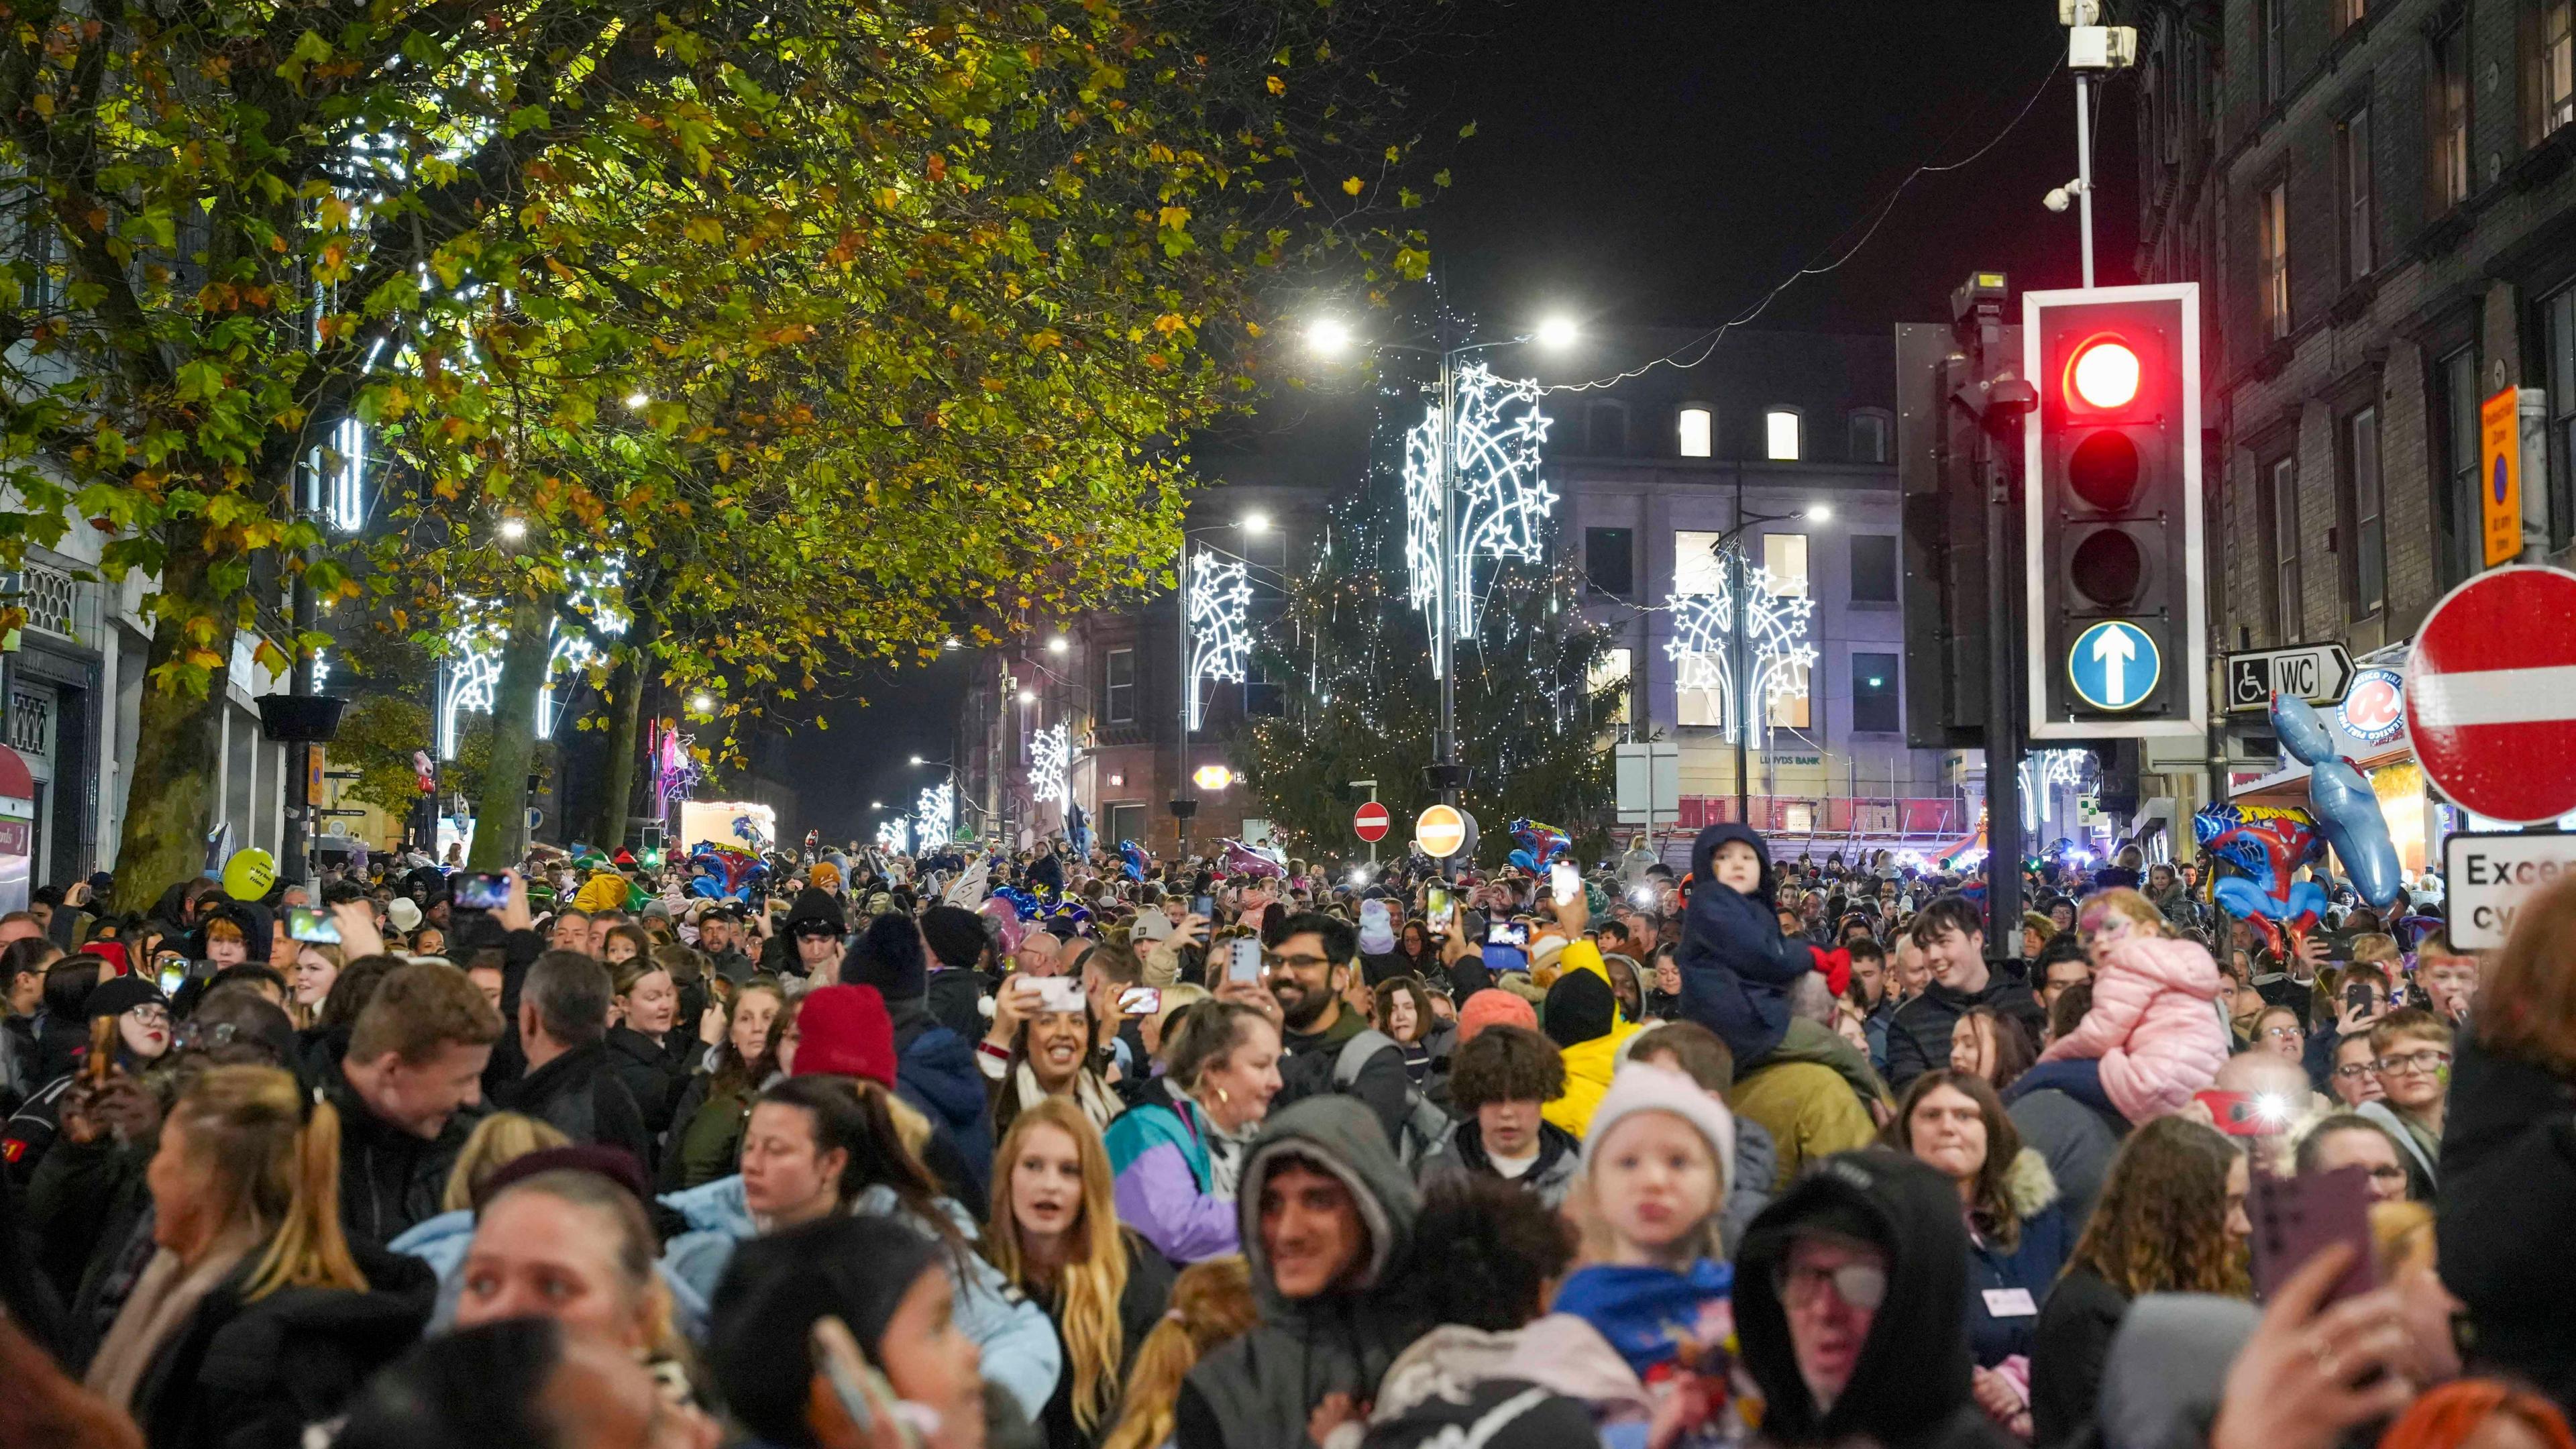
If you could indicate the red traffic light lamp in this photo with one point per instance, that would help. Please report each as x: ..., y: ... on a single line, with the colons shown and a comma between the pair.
x: 2103, y: 375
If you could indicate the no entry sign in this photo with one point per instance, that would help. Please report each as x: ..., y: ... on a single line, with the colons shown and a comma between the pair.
x: 1440, y: 830
x: 1371, y: 822
x: 2491, y: 695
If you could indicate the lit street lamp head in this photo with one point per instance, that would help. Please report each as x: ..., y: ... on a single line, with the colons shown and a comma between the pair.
x: 1058, y: 644
x: 1028, y: 696
x: 703, y: 704
x: 916, y: 759
x: 1256, y: 523
x: 1328, y: 337
x: 1555, y: 332
x: 1819, y: 513
x: 513, y: 529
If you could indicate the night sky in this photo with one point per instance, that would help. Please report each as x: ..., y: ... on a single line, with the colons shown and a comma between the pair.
x: 1669, y: 164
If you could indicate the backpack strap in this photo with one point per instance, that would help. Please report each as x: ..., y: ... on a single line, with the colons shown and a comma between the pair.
x: 1354, y: 1057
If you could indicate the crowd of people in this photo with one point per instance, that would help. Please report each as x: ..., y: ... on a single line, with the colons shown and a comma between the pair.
x: 1049, y: 1149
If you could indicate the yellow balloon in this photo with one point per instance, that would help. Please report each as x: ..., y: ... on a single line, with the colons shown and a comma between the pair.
x: 249, y: 874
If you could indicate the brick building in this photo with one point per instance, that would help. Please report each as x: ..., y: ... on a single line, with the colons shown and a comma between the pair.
x: 2377, y: 199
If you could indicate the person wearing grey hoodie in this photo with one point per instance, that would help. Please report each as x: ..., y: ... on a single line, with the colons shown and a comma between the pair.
x: 1340, y: 1220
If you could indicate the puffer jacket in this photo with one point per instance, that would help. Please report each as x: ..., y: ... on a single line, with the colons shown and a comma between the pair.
x: 442, y: 1242
x: 1588, y: 1064
x: 1163, y: 1181
x: 2151, y: 1025
x: 1018, y: 1344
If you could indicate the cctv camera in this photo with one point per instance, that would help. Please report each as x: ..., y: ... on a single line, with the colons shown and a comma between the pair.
x: 2056, y: 199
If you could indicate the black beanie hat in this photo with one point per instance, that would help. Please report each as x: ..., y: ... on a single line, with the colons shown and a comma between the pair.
x: 956, y: 935
x: 1579, y: 1009
x: 118, y: 995
x: 855, y: 1268
x: 814, y: 905
x: 888, y: 956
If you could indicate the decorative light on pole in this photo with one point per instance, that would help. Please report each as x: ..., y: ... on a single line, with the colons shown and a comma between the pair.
x: 1220, y: 598
x: 895, y: 834
x: 473, y: 675
x: 1777, y: 626
x: 1050, y: 766
x: 936, y: 820
x: 1497, y: 505
x: 2045, y: 770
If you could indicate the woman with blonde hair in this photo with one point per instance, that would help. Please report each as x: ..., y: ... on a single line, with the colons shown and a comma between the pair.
x: 1055, y: 1235
x: 1212, y: 1305
x: 252, y: 1272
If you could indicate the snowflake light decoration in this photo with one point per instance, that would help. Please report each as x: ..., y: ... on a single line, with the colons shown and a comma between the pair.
x: 1502, y: 503
x: 2044, y: 770
x: 474, y: 674
x: 937, y: 818
x: 1220, y: 605
x: 896, y: 834
x: 1050, y: 766
x: 1777, y: 625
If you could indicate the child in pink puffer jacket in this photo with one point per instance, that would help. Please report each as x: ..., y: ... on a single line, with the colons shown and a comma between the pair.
x: 2154, y: 1024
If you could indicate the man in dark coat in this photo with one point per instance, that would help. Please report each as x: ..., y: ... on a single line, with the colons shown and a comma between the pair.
x: 571, y: 1081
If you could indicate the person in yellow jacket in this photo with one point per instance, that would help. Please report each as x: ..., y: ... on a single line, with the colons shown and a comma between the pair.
x: 1582, y: 1016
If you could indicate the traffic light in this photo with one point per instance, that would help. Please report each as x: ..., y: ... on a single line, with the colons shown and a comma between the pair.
x: 2116, y: 625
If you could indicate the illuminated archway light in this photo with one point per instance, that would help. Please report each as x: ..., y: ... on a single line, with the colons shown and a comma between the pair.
x: 474, y: 670
x: 1050, y: 766
x: 1777, y: 625
x: 1502, y: 506
x: 1220, y: 609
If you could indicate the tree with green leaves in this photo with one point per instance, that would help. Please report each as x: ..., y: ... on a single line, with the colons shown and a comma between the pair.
x: 912, y: 291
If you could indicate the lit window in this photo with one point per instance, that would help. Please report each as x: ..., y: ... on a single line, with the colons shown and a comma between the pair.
x: 1784, y: 558
x: 1780, y: 430
x: 1695, y: 429
x: 1610, y: 672
x: 2557, y: 65
x: 1696, y: 569
x: 2273, y: 226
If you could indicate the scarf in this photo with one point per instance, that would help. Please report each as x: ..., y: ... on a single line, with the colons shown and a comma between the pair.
x: 1088, y: 1093
x: 1225, y: 1152
x: 162, y: 1301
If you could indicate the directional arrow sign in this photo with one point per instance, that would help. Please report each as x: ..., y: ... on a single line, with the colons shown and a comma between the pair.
x: 2317, y: 673
x: 2114, y: 665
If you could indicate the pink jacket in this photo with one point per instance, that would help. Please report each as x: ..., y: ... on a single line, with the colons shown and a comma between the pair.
x: 2153, y: 1024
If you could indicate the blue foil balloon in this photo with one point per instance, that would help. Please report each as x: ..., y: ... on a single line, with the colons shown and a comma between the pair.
x: 2346, y: 810
x: 1521, y: 858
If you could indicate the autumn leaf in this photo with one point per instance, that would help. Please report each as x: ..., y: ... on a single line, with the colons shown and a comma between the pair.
x: 1353, y: 186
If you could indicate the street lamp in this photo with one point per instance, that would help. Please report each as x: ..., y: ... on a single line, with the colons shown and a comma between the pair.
x: 1327, y: 337
x: 513, y: 529
x: 702, y: 703
x: 1059, y: 644
x: 918, y: 760
x: 1256, y: 522
x: 1028, y: 696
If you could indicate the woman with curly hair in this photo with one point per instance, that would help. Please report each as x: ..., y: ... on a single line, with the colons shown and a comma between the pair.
x: 2171, y: 1219
x: 1402, y: 1009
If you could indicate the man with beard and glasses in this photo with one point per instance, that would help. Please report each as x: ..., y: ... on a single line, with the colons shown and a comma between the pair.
x: 1309, y: 961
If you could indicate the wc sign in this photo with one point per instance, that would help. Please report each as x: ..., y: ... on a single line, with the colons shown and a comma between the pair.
x: 2488, y: 877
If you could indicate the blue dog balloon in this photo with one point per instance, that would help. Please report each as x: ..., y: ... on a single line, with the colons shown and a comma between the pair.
x: 1135, y: 858
x: 2346, y: 810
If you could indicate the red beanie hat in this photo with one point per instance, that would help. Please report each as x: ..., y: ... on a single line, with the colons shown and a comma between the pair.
x: 1492, y: 1006
x: 843, y: 1031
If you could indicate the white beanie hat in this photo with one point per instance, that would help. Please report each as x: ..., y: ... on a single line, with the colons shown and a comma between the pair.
x: 404, y: 912
x: 1646, y: 1087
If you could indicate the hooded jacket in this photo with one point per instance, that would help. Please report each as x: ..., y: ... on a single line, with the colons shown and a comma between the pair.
x: 1589, y: 1062
x: 2508, y: 1190
x: 2151, y: 1025
x: 1736, y: 966
x: 935, y: 1071
x: 1909, y: 1387
x: 1255, y: 1392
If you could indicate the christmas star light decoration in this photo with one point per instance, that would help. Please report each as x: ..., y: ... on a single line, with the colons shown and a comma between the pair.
x: 937, y: 817
x: 1050, y: 766
x: 895, y: 835
x: 1220, y: 606
x: 1777, y: 625
x: 474, y: 672
x: 1502, y: 503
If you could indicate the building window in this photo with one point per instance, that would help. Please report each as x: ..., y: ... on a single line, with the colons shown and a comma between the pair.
x: 1118, y: 689
x: 2272, y: 40
x: 1698, y: 432
x: 2464, y: 550
x: 2557, y: 64
x: 2273, y: 254
x: 1780, y: 435
x: 1610, y: 561
x: 1606, y: 430
x: 1611, y: 673
x: 1794, y: 708
x: 1127, y: 822
x: 1874, y: 694
x: 2289, y: 612
x: 1784, y: 558
x: 2368, y: 572
x: 2353, y: 192
x: 2450, y: 106
x: 1873, y: 568
x: 2347, y: 14
x: 1869, y: 437
x: 1262, y: 696
x: 1696, y: 567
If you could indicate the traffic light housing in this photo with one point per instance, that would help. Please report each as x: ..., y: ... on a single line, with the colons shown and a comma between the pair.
x: 2116, y: 628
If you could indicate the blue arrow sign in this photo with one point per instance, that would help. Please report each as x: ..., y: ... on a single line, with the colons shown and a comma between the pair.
x: 2114, y: 665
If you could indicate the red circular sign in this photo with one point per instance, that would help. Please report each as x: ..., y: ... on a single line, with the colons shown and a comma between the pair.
x: 1372, y: 822
x: 2491, y: 695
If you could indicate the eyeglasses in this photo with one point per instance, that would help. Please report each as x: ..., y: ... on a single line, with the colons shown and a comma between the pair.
x: 1300, y: 962
x: 2424, y: 1061
x: 149, y: 1015
x: 1861, y: 1285
x: 2350, y: 1070
x: 2283, y: 1033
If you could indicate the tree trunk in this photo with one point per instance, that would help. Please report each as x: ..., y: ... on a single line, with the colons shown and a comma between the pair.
x: 501, y: 797
x: 612, y: 795
x: 170, y: 788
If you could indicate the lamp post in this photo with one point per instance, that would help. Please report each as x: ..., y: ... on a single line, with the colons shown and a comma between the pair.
x: 1740, y: 646
x: 1328, y: 337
